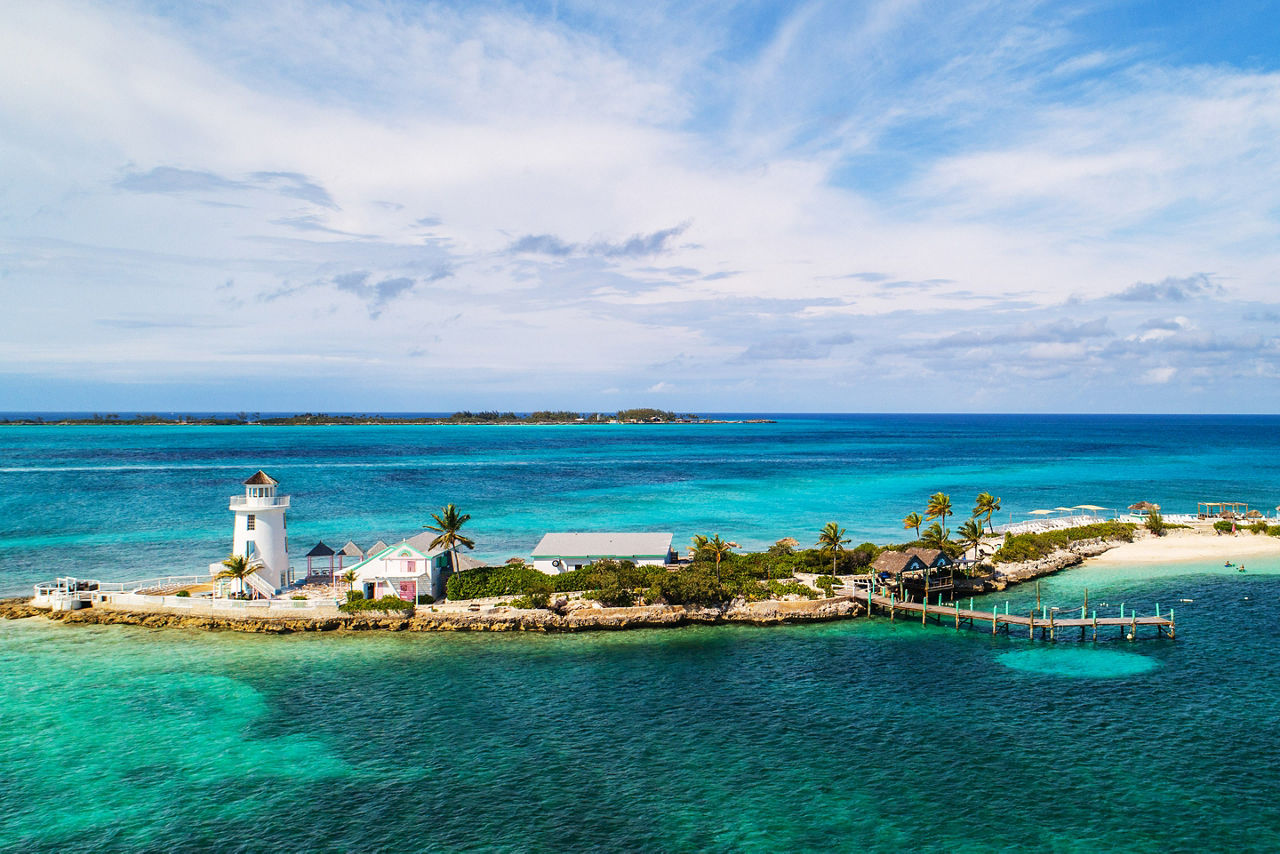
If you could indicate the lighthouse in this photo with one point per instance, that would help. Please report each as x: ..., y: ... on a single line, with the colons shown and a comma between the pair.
x: 260, y: 532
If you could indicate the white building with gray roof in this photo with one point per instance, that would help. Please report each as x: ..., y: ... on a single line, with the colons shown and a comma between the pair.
x: 565, y: 552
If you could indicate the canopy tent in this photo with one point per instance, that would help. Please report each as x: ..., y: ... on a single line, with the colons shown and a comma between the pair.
x: 1041, y: 512
x: 1225, y: 509
x: 1094, y: 507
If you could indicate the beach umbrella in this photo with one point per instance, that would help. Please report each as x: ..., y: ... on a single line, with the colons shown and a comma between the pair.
x: 1088, y: 507
x: 1063, y: 509
x: 1144, y: 507
x: 1047, y: 512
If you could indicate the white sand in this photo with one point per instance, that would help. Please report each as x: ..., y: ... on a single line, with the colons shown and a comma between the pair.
x: 1200, y: 544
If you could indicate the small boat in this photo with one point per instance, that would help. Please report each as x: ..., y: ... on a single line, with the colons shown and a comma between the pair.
x: 1186, y: 600
x: 1241, y: 569
x: 1228, y: 564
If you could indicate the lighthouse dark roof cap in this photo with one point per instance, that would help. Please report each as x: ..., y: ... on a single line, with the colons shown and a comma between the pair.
x: 262, y: 479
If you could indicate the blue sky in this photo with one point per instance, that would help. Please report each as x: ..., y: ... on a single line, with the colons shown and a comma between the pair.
x: 876, y: 206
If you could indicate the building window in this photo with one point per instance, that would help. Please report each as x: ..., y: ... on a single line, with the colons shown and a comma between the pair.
x: 248, y: 548
x: 249, y: 522
x: 409, y: 566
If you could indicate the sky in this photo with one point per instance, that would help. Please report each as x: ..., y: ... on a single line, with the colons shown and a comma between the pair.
x: 894, y: 206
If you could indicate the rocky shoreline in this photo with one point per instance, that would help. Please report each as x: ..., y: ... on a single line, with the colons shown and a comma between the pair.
x: 768, y: 613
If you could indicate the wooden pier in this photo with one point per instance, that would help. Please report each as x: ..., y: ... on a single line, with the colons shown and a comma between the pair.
x: 1050, y: 622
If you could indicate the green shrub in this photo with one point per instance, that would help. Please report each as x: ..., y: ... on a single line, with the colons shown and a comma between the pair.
x: 532, y: 600
x: 827, y: 584
x: 426, y: 599
x: 613, y: 596
x: 386, y: 604
x: 1223, y: 526
x: 1155, y: 523
x: 1259, y: 527
x: 1023, y: 547
x: 183, y: 594
x: 778, y: 589
x: 298, y: 597
x: 491, y: 581
x: 1273, y: 530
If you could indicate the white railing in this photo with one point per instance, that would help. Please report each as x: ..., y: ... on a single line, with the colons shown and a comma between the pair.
x: 165, y: 584
x: 194, y: 605
x: 258, y: 583
x: 277, y: 501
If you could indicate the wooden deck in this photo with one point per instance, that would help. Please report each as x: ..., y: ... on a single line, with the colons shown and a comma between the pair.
x: 1050, y: 622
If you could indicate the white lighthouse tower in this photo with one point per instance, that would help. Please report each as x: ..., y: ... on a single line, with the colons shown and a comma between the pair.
x: 260, y: 532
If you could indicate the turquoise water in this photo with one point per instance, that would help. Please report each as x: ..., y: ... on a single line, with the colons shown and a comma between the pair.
x: 857, y: 735
x: 837, y: 736
x: 111, y: 501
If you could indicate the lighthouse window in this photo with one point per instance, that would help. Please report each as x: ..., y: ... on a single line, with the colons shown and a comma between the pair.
x: 249, y: 522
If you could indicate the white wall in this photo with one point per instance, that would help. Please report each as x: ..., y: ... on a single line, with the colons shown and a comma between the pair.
x: 569, y: 564
x: 269, y: 536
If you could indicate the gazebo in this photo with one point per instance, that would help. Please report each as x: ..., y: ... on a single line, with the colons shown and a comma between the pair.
x: 350, y: 553
x: 1222, y: 509
x: 320, y: 550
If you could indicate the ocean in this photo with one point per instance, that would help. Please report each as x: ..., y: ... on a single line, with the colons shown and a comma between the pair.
x: 864, y: 735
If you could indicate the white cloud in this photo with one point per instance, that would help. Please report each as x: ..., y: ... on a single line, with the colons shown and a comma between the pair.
x: 1159, y: 376
x: 363, y: 173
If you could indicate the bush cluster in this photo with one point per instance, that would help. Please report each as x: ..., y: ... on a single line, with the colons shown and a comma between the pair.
x: 356, y: 603
x: 1023, y: 547
x: 622, y: 583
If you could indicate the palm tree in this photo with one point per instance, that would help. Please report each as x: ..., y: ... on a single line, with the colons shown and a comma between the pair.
x: 350, y: 577
x: 832, y: 539
x: 237, y: 567
x: 699, y: 545
x: 935, y: 535
x: 939, y: 507
x: 971, y: 534
x: 719, y: 549
x: 448, y: 522
x: 987, y: 506
x: 912, y: 520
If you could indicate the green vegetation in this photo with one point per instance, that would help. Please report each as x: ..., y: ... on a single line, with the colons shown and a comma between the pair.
x: 970, y: 535
x: 1155, y: 523
x: 986, y: 506
x: 612, y: 583
x: 237, y: 567
x: 940, y: 508
x: 935, y: 536
x: 183, y: 594
x: 827, y: 584
x: 913, y: 520
x: 490, y: 581
x: 1224, y: 526
x: 448, y: 523
x: 1023, y: 547
x: 832, y: 540
x: 356, y: 603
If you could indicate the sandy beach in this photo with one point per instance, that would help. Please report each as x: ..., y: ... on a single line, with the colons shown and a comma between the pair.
x: 1198, y: 544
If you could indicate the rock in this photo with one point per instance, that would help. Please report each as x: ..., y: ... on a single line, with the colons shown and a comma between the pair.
x: 583, y: 616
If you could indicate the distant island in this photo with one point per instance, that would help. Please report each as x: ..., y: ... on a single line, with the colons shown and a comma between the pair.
x: 317, y: 419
